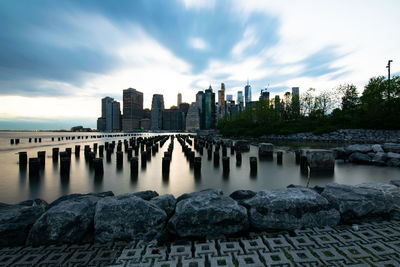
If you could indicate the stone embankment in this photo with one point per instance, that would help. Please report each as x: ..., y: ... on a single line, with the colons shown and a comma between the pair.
x: 145, y: 215
x: 345, y: 135
x: 387, y: 154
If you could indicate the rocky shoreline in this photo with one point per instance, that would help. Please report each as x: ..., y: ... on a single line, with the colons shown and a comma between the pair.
x: 343, y: 135
x: 104, y: 217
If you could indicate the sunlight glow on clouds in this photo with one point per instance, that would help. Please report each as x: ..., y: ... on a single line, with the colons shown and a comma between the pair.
x: 198, y: 43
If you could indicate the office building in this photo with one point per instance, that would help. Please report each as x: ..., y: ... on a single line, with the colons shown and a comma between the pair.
x: 200, y: 105
x: 172, y: 119
x: 222, y: 103
x: 296, y: 101
x: 240, y: 100
x: 179, y: 102
x: 116, y: 116
x: 209, y: 109
x: 247, y: 93
x: 132, y: 109
x: 110, y: 119
x: 157, y: 107
x: 193, y: 118
x: 264, y: 95
x: 229, y: 98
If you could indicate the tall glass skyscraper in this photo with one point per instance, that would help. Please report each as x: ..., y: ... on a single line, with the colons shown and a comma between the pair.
x: 133, y: 109
x: 247, y: 93
x: 209, y: 109
x: 157, y: 107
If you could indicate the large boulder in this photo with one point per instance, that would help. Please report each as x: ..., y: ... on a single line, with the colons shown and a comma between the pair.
x: 393, y: 162
x: 146, y: 195
x: 318, y: 160
x: 290, y: 208
x: 358, y: 148
x: 217, y: 192
x: 340, y: 153
x: 391, y: 147
x: 379, y: 159
x: 265, y: 149
x: 395, y: 182
x: 127, y: 217
x: 17, y: 220
x: 242, y: 195
x: 364, y: 202
x: 359, y: 158
x: 392, y: 155
x: 68, y: 220
x: 72, y: 196
x: 165, y: 202
x: 208, y: 213
x: 377, y: 148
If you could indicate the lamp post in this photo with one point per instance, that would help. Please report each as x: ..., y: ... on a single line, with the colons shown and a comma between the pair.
x: 388, y: 67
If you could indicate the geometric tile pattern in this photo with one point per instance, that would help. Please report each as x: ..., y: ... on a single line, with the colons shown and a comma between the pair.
x: 368, y: 244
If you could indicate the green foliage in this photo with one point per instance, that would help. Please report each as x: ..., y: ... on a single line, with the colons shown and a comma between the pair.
x: 377, y: 108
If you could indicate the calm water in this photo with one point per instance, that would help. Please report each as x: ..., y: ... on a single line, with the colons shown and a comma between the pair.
x: 15, y: 185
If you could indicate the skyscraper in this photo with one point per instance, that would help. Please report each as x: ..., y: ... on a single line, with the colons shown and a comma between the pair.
x: 296, y: 101
x: 240, y: 100
x: 193, y: 118
x: 200, y: 106
x: 132, y: 109
x: 110, y: 115
x: 222, y: 103
x: 157, y: 107
x: 179, y: 99
x: 247, y: 93
x: 209, y: 109
x: 173, y: 119
x: 264, y: 95
x: 229, y: 98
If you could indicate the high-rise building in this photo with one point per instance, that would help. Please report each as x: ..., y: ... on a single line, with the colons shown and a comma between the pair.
x: 222, y: 103
x: 172, y: 119
x: 110, y: 115
x: 247, y: 93
x: 157, y: 107
x: 179, y: 99
x: 240, y: 100
x: 200, y: 105
x: 229, y: 98
x: 277, y: 104
x: 264, y: 95
x: 209, y: 109
x: 132, y: 109
x: 296, y: 101
x: 193, y: 118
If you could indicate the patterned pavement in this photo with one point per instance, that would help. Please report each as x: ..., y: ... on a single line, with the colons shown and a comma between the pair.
x: 370, y: 244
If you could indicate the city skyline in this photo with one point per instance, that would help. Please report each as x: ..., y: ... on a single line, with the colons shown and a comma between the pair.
x: 64, y: 54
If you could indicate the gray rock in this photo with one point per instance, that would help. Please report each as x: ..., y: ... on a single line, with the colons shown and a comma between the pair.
x: 66, y: 222
x: 217, y: 192
x: 165, y: 202
x: 127, y: 217
x: 393, y: 162
x: 391, y: 147
x: 208, y: 214
x: 17, y: 220
x: 391, y: 155
x: 317, y: 160
x: 340, y: 153
x: 358, y: 148
x: 364, y: 202
x: 377, y: 148
x: 395, y: 182
x: 242, y: 145
x: 379, y: 159
x: 241, y: 195
x: 146, y: 195
x: 72, y: 196
x: 359, y: 158
x: 290, y: 208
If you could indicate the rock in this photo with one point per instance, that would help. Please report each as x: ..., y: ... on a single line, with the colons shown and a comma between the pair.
x: 391, y: 155
x: 359, y: 158
x: 66, y: 221
x: 377, y: 148
x: 208, y: 214
x: 391, y: 147
x: 265, y: 149
x: 393, y: 162
x: 165, y: 202
x: 317, y: 160
x: 127, y: 217
x: 242, y: 146
x: 358, y: 148
x: 395, y: 182
x: 241, y: 195
x: 17, y: 220
x: 72, y: 196
x: 363, y: 202
x: 340, y: 153
x: 217, y: 192
x: 379, y: 159
x: 146, y: 195
x: 290, y: 208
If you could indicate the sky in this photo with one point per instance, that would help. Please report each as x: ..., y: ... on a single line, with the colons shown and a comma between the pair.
x: 59, y: 58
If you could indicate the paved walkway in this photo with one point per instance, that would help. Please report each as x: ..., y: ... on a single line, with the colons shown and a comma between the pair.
x: 362, y: 245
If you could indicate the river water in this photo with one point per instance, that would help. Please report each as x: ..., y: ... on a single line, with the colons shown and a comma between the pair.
x: 16, y: 185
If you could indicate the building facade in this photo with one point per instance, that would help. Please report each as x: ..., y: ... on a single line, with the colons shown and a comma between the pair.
x: 179, y: 102
x: 132, y: 109
x: 200, y: 105
x: 247, y: 93
x: 240, y: 101
x: 209, y: 109
x: 193, y: 118
x: 110, y: 119
x: 157, y: 107
x: 172, y: 119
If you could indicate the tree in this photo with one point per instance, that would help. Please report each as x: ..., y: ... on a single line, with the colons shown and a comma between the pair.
x: 307, y: 101
x: 350, y: 98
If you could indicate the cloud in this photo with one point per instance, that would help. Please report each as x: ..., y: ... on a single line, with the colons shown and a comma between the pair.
x: 198, y: 43
x: 199, y: 4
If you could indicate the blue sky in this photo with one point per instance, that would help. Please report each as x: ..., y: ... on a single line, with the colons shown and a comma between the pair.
x: 59, y: 58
